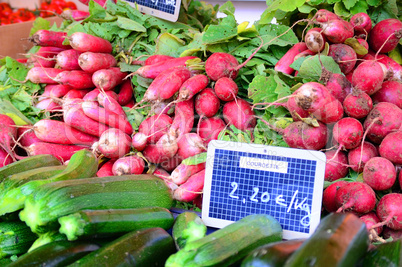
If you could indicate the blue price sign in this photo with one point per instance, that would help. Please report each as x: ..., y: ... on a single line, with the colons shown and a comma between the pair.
x: 164, y: 9
x: 243, y: 179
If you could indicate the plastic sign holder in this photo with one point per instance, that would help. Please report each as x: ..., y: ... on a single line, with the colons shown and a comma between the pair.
x: 164, y: 9
x: 243, y: 179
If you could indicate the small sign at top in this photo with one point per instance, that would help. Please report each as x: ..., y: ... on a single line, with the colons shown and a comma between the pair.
x: 164, y: 9
x: 243, y: 179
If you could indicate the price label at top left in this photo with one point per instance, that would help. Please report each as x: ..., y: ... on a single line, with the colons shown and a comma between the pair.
x: 164, y: 9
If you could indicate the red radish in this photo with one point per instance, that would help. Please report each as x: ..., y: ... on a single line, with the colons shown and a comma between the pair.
x: 295, y: 110
x: 368, y: 77
x: 390, y: 91
x: 5, y: 158
x: 394, y: 68
x: 324, y: 15
x: 355, y: 196
x: 44, y: 57
x: 163, y: 174
x: 163, y: 107
x: 153, y: 59
x: 384, y: 118
x: 85, y: 42
x: 379, y: 173
x: 226, y: 89
x: 369, y: 220
x: 76, y: 15
x: 391, y: 147
x: 344, y: 55
x: 91, y: 62
x: 361, y: 23
x: 102, y: 115
x: 357, y: 104
x: 191, y: 189
x: 43, y: 75
x: 139, y: 141
x: 49, y: 38
x: 389, y: 211
x: 58, y: 132
x: 209, y: 128
x: 78, y: 79
x: 167, y: 83
x: 46, y: 93
x: 106, y: 169
x: 182, y: 172
x: 68, y: 59
x: 128, y: 165
x: 239, y: 114
x: 190, y: 144
x: 155, y: 126
x: 337, y: 167
x: 62, y: 152
x: 358, y: 157
x: 169, y: 164
x: 75, y: 93
x: 192, y: 86
x: 26, y: 137
x: 183, y: 121
x: 8, y: 133
x: 126, y: 92
x: 338, y: 85
x: 71, y: 103
x: 93, y: 95
x: 385, y: 35
x: 305, y: 53
x: 111, y: 104
x: 130, y: 104
x: 108, y: 79
x: 391, y: 233
x: 153, y: 70
x: 328, y: 196
x: 59, y: 91
x: 283, y: 65
x: 337, y: 30
x: 114, y: 143
x: 301, y: 135
x: 348, y: 132
x: 331, y: 112
x: 315, y: 40
x: 167, y: 145
x: 76, y: 118
x: 47, y: 105
x: 206, y: 103
x: 153, y: 154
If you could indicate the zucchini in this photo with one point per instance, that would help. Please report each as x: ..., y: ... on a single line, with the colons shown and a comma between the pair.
x: 111, y: 192
x: 113, y: 222
x: 46, y: 238
x: 272, y: 255
x: 230, y: 244
x: 15, y: 238
x: 387, y: 254
x: 57, y: 253
x: 28, y: 163
x: 146, y: 247
x: 187, y: 227
x: 341, y: 239
x: 82, y: 164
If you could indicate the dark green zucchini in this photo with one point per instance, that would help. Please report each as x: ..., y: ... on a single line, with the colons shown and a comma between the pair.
x: 146, y: 247
x: 230, y: 244
x: 55, y: 254
x: 387, y: 254
x: 15, y: 238
x: 341, y: 239
x: 273, y: 254
x: 113, y: 222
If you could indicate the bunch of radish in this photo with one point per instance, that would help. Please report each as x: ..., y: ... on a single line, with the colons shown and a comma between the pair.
x: 358, y: 115
x: 83, y: 83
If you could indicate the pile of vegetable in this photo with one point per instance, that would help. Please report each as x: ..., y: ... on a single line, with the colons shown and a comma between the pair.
x: 117, y: 97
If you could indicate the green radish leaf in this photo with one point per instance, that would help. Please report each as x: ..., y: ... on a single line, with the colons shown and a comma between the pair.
x: 361, y: 6
x: 349, y: 3
x: 130, y: 25
x: 227, y: 8
x: 373, y: 2
x: 284, y: 5
x: 168, y: 44
x: 359, y: 49
x: 197, y: 159
x: 311, y: 68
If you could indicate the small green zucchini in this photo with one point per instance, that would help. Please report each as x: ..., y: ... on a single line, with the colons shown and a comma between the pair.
x: 230, y: 244
x: 146, y: 247
x: 187, y: 227
x: 341, y: 239
x: 113, y: 222
x: 55, y: 254
x: 15, y: 238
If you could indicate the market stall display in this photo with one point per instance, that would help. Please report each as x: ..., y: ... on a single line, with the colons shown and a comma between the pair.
x: 117, y: 110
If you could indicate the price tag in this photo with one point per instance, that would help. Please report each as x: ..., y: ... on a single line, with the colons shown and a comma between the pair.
x: 164, y: 9
x: 243, y: 179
